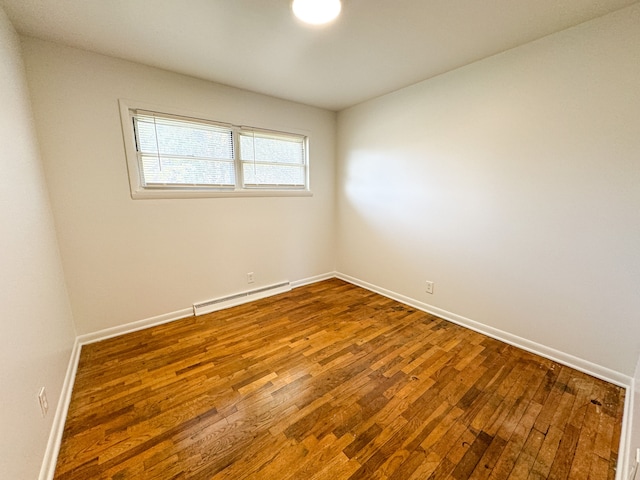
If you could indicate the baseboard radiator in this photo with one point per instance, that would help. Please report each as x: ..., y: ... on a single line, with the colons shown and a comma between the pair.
x: 240, y: 298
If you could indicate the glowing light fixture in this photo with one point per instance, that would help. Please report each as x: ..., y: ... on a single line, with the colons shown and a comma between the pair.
x: 316, y: 12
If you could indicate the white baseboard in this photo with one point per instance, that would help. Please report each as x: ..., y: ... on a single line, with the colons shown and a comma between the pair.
x: 315, y: 279
x: 106, y: 333
x: 624, y: 451
x: 569, y: 360
x: 582, y: 365
x: 52, y: 450
x: 179, y: 314
x: 48, y: 467
x: 53, y: 446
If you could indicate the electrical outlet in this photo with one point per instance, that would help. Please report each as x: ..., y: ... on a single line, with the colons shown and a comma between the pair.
x: 634, y: 468
x: 250, y: 277
x: 44, y: 403
x: 429, y: 287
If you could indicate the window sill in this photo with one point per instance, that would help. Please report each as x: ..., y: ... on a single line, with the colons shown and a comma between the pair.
x: 151, y: 194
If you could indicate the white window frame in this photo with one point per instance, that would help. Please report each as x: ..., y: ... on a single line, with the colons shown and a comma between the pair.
x: 140, y: 191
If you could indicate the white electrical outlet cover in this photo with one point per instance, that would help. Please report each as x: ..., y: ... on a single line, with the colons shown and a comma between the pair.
x: 42, y: 399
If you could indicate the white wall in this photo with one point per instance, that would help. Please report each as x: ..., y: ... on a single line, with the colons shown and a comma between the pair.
x: 127, y: 260
x: 36, y: 328
x: 513, y: 184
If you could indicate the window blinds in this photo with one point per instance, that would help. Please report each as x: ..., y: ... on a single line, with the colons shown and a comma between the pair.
x: 270, y: 159
x: 183, y: 152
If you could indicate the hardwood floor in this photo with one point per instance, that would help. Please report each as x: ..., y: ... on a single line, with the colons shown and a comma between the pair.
x: 331, y: 381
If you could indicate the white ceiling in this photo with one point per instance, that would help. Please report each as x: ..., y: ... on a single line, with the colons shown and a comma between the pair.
x: 375, y: 47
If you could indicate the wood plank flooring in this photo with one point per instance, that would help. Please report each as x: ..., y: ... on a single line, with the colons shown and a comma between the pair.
x: 331, y: 381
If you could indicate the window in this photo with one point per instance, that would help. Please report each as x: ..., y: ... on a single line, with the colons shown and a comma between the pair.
x: 182, y: 152
x: 270, y: 159
x: 172, y: 156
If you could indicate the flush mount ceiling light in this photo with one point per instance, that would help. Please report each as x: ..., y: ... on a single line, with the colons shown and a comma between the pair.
x: 316, y: 12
